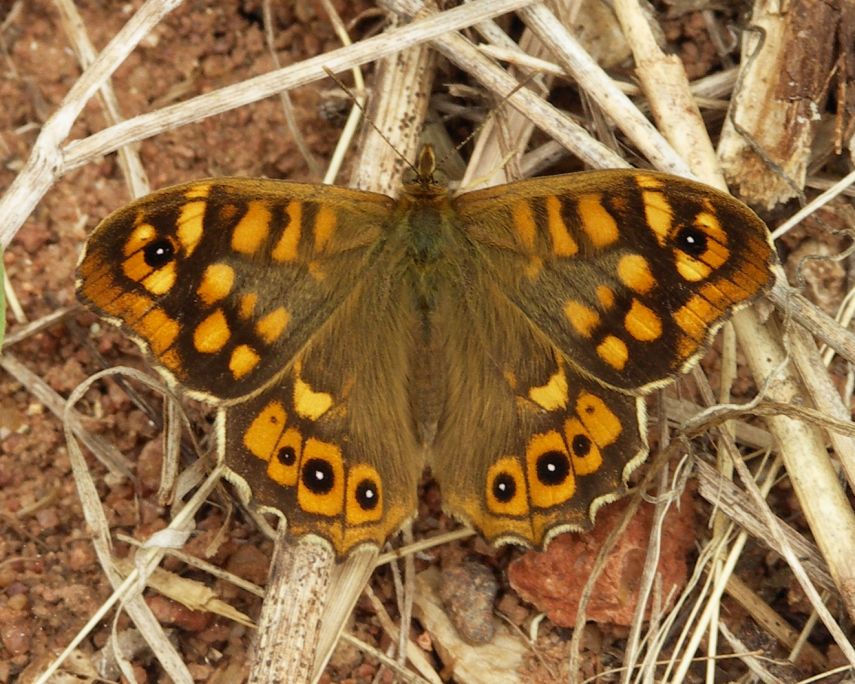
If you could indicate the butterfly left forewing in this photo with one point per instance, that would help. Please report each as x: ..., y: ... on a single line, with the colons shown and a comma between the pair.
x: 222, y: 281
x: 628, y: 273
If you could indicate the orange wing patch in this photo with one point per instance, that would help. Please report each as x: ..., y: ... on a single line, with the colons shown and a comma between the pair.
x: 599, y: 225
x: 286, y: 247
x: 190, y: 222
x: 271, y: 326
x: 613, y: 351
x: 217, y: 283
x: 211, y: 335
x: 642, y: 322
x: 633, y: 270
x: 243, y: 360
x: 563, y: 244
x: 583, y: 318
x: 253, y: 228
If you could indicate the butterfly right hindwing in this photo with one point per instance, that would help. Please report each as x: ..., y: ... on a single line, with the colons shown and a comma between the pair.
x: 526, y: 447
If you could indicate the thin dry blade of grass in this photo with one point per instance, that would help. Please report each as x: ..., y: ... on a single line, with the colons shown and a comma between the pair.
x: 129, y: 158
x: 128, y: 590
x: 47, y: 160
x: 51, y: 158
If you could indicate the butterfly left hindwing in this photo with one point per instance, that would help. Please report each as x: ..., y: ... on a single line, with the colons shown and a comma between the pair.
x: 331, y: 444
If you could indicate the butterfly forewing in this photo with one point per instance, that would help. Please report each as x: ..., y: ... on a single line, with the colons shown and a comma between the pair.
x: 628, y: 273
x: 223, y: 281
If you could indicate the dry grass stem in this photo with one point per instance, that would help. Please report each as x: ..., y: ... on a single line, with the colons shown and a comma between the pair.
x: 548, y: 118
x: 26, y: 330
x: 75, y: 30
x: 287, y: 106
x: 830, y: 516
x: 46, y: 162
x: 810, y: 208
x: 128, y: 590
x: 289, y: 625
x: 600, y: 87
x: 290, y: 77
x: 504, y: 137
x: 664, y: 82
x: 772, y: 622
x: 413, y: 652
x: 732, y: 502
x: 765, y: 145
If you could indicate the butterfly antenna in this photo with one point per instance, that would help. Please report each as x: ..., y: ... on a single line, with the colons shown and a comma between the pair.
x: 519, y: 86
x: 370, y: 121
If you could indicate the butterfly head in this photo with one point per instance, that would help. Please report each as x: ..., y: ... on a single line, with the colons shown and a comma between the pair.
x: 421, y: 178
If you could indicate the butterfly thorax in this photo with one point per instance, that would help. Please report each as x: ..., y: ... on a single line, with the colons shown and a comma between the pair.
x: 423, y: 218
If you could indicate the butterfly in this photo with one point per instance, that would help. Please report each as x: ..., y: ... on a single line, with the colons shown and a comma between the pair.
x: 505, y: 338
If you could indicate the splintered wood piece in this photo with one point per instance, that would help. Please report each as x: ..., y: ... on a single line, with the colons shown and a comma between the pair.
x: 788, y: 58
x: 289, y: 625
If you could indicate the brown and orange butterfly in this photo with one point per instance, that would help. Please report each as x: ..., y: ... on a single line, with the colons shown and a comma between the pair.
x: 504, y: 337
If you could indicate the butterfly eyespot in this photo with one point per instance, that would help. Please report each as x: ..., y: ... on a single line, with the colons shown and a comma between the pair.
x: 581, y: 445
x: 367, y: 495
x: 504, y: 487
x: 159, y: 253
x: 553, y: 467
x: 318, y: 476
x: 692, y: 241
x: 287, y: 455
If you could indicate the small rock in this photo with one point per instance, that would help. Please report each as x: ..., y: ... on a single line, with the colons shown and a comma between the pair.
x: 553, y: 580
x: 468, y: 592
x: 173, y: 613
x: 249, y: 563
x: 16, y: 636
x: 80, y: 556
x: 47, y: 518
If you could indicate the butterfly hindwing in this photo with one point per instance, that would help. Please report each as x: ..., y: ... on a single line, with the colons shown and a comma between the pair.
x: 525, y: 445
x: 628, y: 273
x: 223, y: 281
